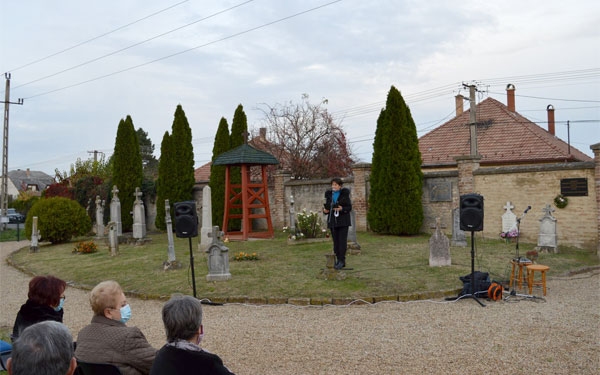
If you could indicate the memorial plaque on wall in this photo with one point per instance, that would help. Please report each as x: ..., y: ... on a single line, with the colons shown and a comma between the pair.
x: 574, y: 187
x: 440, y: 191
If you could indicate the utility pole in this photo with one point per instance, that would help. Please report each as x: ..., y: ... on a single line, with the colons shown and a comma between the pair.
x: 472, y: 118
x: 95, y: 152
x: 4, y: 192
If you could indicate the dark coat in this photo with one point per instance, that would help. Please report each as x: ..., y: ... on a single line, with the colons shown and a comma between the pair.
x: 110, y: 341
x: 343, y: 220
x: 31, y: 313
x: 174, y: 361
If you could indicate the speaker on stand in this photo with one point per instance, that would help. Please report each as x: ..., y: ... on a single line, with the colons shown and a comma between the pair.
x: 186, y: 226
x: 471, y: 219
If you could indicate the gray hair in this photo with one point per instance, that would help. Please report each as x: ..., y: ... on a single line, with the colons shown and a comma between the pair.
x: 44, y: 348
x: 182, y: 317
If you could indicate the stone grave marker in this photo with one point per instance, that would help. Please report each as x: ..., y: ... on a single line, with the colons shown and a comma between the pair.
x: 218, y: 258
x: 509, y: 219
x: 115, y: 211
x: 113, y: 238
x: 439, y: 247
x: 206, y: 229
x: 547, y: 237
x: 35, y: 236
x: 171, y: 262
x: 139, y: 216
x: 458, y: 235
x: 99, y: 217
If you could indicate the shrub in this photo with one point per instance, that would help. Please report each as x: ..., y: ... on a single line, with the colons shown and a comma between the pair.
x: 85, y: 247
x: 245, y: 256
x: 309, y: 224
x: 59, y: 219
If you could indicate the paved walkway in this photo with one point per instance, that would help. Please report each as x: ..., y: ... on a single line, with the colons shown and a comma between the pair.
x: 558, y: 336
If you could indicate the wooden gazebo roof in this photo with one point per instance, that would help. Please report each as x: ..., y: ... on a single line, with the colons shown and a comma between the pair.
x: 245, y: 154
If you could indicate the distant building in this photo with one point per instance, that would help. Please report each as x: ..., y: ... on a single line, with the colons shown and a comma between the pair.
x: 27, y: 180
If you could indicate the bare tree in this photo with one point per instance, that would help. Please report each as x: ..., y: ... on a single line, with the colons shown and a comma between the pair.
x: 306, y: 140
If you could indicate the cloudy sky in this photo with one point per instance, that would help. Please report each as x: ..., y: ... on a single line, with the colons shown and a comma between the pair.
x: 83, y: 66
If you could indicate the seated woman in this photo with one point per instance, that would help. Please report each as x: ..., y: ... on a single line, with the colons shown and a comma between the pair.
x: 182, y: 354
x: 107, y: 339
x: 45, y: 301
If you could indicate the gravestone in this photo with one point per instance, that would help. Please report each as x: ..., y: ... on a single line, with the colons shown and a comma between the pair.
x: 547, y: 237
x: 439, y: 247
x: 139, y: 216
x: 206, y: 218
x: 35, y: 236
x: 218, y: 258
x: 292, y: 216
x: 115, y: 211
x: 99, y: 217
x: 459, y: 237
x: 509, y: 219
x: 113, y: 238
x: 353, y: 245
x: 171, y: 262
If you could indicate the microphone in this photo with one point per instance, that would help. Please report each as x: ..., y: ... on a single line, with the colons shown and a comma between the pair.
x: 527, y: 209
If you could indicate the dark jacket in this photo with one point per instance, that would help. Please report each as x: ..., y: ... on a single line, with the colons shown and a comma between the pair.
x: 31, y: 313
x: 175, y: 361
x: 110, y: 341
x: 343, y: 220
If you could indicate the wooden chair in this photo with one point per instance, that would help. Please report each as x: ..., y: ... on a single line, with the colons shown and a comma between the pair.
x: 531, y: 269
x: 88, y: 368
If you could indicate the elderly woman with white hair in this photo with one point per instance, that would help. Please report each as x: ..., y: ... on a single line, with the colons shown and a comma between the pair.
x: 182, y: 354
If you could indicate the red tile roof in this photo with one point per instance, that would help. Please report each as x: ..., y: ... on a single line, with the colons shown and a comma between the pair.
x: 503, y: 138
x: 202, y: 174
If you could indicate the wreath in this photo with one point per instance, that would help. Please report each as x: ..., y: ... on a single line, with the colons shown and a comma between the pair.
x: 561, y: 201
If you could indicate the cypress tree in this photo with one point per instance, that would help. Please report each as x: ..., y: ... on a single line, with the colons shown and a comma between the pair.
x: 217, y: 173
x: 182, y: 153
x: 239, y: 127
x: 165, y: 169
x: 127, y: 168
x: 395, y: 205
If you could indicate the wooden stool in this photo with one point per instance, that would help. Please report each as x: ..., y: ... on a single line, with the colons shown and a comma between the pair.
x: 521, y: 276
x: 530, y: 276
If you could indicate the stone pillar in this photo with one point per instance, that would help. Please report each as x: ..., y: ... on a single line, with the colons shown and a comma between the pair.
x: 596, y: 149
x: 115, y: 210
x: 466, y: 166
x: 279, y: 209
x: 35, y: 235
x: 206, y: 229
x: 361, y: 173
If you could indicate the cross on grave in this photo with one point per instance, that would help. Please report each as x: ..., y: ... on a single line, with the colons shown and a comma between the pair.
x: 508, y: 206
x: 548, y: 210
x: 138, y: 194
x: 216, y: 234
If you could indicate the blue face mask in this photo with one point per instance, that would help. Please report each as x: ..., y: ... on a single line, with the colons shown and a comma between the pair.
x: 125, y: 313
x: 61, y: 304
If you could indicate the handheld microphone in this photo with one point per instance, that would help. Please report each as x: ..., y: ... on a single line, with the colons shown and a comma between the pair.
x: 527, y: 209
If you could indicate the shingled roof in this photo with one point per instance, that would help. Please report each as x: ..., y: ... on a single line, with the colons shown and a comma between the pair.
x: 245, y: 154
x: 504, y: 137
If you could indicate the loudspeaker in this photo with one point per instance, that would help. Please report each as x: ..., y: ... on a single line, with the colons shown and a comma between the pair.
x: 186, y: 219
x: 471, y: 212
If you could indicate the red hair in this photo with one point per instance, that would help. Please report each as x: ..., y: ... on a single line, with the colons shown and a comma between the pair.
x: 46, y: 290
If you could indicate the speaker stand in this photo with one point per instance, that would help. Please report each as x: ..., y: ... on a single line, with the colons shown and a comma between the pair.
x: 472, y: 286
x: 192, y: 266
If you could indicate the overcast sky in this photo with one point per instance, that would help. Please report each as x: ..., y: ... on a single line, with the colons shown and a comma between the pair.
x: 83, y: 66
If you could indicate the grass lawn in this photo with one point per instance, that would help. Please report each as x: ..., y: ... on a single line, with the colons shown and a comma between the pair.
x: 386, y: 266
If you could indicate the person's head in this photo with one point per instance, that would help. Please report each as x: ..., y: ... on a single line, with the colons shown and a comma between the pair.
x: 47, y: 290
x: 107, y: 299
x: 182, y: 317
x: 336, y: 183
x: 44, y: 348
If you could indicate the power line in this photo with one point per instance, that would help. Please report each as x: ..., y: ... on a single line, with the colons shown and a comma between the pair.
x: 97, y: 37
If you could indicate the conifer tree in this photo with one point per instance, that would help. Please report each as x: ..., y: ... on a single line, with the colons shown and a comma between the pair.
x: 217, y: 173
x: 239, y: 129
x: 127, y: 168
x: 165, y: 169
x: 396, y: 179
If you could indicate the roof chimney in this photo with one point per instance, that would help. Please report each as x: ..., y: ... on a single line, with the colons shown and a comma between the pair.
x: 510, y: 97
x: 550, y: 110
x: 458, y: 102
x: 263, y: 133
x: 28, y: 173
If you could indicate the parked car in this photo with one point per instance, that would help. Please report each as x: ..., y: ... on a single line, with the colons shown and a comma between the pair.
x: 14, y: 216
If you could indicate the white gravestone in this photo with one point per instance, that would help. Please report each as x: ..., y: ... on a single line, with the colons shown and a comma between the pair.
x: 439, y: 247
x: 35, y: 236
x: 99, y: 217
x: 218, y: 258
x: 206, y: 218
x: 115, y: 211
x: 547, y: 237
x: 113, y: 238
x: 139, y: 216
x: 171, y: 247
x: 509, y: 219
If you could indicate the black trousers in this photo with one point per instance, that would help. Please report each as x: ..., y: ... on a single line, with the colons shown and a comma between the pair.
x: 340, y: 242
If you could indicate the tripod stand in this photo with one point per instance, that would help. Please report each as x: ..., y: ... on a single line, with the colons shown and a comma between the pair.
x: 472, y: 286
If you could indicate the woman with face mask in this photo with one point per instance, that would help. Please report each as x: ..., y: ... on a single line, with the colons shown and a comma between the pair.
x: 45, y: 301
x: 108, y: 339
x: 182, y: 354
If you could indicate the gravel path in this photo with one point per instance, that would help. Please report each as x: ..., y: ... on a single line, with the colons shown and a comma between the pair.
x: 560, y: 335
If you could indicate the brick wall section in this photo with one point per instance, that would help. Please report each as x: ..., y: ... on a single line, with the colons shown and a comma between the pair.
x: 466, y: 166
x: 596, y: 149
x: 279, y: 204
x: 361, y: 172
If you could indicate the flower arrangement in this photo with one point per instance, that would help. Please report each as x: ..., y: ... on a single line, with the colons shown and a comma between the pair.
x: 560, y: 201
x: 510, y: 234
x: 85, y: 247
x: 245, y: 256
x: 309, y: 224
